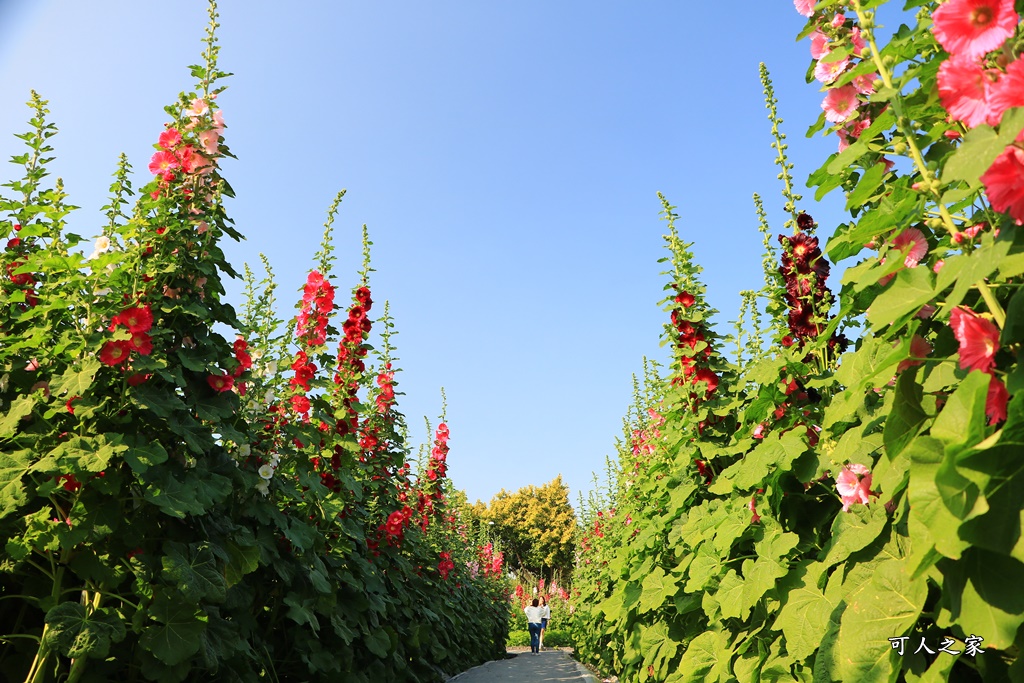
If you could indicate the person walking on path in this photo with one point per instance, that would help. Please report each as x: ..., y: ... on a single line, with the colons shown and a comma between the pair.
x: 544, y: 619
x: 534, y: 614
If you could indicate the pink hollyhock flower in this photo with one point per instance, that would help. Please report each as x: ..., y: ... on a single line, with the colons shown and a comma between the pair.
x: 964, y: 90
x: 1004, y: 183
x: 162, y: 163
x: 218, y: 122
x: 828, y: 71
x: 198, y: 108
x: 838, y: 20
x: 913, y: 242
x: 169, y: 139
x: 865, y: 84
x: 819, y: 45
x: 973, y: 27
x: 854, y: 485
x: 1007, y: 92
x: 919, y: 350
x: 804, y: 7
x: 979, y: 339
x: 210, y: 141
x: 840, y: 104
x: 858, y: 41
x: 996, y: 400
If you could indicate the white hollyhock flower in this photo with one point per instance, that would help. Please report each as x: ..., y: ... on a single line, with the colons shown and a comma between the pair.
x: 266, y: 471
x: 244, y: 450
x: 263, y: 487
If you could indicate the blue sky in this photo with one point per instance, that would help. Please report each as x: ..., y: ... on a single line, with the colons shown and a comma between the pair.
x: 506, y: 157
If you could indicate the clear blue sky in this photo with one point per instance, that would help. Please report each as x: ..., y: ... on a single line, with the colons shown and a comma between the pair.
x: 505, y: 156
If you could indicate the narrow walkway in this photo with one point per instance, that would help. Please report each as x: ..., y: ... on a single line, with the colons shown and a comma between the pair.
x: 550, y: 666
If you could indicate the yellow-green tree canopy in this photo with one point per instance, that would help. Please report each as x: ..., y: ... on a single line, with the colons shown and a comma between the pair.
x: 535, y: 527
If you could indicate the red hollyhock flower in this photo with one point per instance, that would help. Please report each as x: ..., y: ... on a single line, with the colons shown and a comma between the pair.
x: 684, y: 299
x: 221, y: 383
x: 115, y: 352
x: 71, y: 408
x: 137, y: 379
x: 394, y: 524
x: 1004, y: 183
x: 142, y: 343
x: 1007, y: 92
x: 706, y: 375
x: 300, y: 404
x: 138, y: 319
x: 979, y: 339
x: 363, y: 297
x: 995, y: 401
x: 973, y: 27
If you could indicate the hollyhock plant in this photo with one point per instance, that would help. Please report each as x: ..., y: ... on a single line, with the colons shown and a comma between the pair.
x: 973, y: 27
x: 978, y: 338
x: 964, y: 88
x: 1004, y: 183
x: 854, y: 485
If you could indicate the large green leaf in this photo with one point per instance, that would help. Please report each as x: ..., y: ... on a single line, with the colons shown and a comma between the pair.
x: 987, y: 596
x: 888, y: 607
x: 910, y: 290
x: 75, y: 632
x: 657, y: 646
x: 999, y: 529
x: 962, y: 421
x: 20, y: 407
x: 194, y: 572
x: 176, y: 635
x: 805, y: 615
x: 854, y: 530
x: 907, y: 417
x: 76, y: 381
x: 658, y: 588
x: 706, y: 660
x: 13, y: 466
x: 980, y: 148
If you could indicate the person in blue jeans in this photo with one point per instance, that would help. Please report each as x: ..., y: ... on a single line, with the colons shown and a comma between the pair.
x: 534, y: 614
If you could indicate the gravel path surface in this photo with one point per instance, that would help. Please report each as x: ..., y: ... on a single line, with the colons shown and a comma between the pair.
x: 550, y: 666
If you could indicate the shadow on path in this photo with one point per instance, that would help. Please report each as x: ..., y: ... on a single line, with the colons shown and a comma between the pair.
x: 524, y: 667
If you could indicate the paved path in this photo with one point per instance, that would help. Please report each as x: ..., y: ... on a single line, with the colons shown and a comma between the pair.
x: 550, y: 666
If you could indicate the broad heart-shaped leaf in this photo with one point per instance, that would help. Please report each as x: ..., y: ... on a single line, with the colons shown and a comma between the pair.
x: 75, y: 381
x: 193, y: 570
x: 932, y: 525
x: 980, y: 148
x: 771, y: 565
x: 730, y: 596
x: 176, y: 636
x: 855, y: 530
x: 910, y: 290
x: 999, y: 528
x: 20, y: 407
x: 961, y: 423
x: 657, y: 646
x: 190, y: 492
x: 81, y: 454
x: 658, y: 589
x: 707, y: 563
x: 243, y: 559
x: 140, y: 455
x: 196, y: 436
x: 162, y: 402
x: 888, y: 607
x: 866, y: 186
x: 706, y: 660
x: 805, y: 615
x: 907, y: 417
x: 774, y: 452
x: 986, y: 592
x: 13, y: 466
x: 74, y: 632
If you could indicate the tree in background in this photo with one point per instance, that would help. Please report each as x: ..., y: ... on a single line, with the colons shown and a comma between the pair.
x: 535, y: 527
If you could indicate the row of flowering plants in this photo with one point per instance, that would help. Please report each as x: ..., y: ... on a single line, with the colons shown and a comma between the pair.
x: 841, y: 498
x: 189, y: 493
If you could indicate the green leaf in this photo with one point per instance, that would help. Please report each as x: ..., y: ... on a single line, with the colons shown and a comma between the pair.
x: 74, y: 632
x: 658, y: 646
x: 888, y: 607
x: 866, y: 186
x: 907, y: 417
x: 141, y: 456
x: 910, y: 290
x: 992, y: 602
x: 932, y: 525
x: 21, y: 407
x: 854, y: 530
x: 243, y: 559
x: 658, y: 588
x: 961, y: 423
x: 805, y: 615
x: 194, y: 572
x: 177, y: 635
x: 705, y: 660
x: 730, y: 596
x: 13, y: 466
x: 76, y: 382
x: 1013, y: 331
x: 980, y: 148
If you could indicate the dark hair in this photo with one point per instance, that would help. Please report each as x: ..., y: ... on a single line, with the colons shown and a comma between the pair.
x: 544, y: 600
x: 535, y: 602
